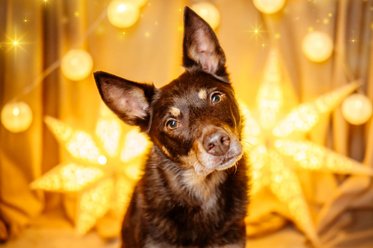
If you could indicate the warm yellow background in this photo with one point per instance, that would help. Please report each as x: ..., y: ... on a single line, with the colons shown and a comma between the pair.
x: 150, y: 51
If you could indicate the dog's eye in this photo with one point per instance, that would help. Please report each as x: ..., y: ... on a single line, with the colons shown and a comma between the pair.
x: 172, y: 123
x: 216, y: 97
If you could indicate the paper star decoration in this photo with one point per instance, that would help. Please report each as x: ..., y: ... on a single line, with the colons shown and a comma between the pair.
x: 104, y: 169
x: 276, y: 145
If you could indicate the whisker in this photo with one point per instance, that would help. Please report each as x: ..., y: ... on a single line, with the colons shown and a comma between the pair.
x: 235, y: 168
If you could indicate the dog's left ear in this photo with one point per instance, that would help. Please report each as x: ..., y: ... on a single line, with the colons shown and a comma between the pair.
x: 129, y: 100
x: 201, y: 48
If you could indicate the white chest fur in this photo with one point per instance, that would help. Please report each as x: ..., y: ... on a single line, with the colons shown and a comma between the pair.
x: 202, y: 188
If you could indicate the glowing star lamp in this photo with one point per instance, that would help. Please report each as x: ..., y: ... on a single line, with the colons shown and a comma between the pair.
x: 357, y: 109
x: 208, y: 12
x: 275, y: 144
x: 16, y: 117
x: 269, y: 6
x: 76, y: 64
x: 317, y: 46
x: 123, y: 13
x: 104, y: 169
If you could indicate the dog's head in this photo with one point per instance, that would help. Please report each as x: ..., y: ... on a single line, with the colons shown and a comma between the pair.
x: 194, y: 119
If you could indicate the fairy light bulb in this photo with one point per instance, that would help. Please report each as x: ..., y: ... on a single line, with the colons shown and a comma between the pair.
x: 317, y: 46
x: 357, y: 109
x: 208, y: 12
x: 122, y: 13
x: 76, y: 64
x: 16, y: 117
x: 269, y: 6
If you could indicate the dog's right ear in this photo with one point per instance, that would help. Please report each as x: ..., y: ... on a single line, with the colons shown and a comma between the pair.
x: 129, y: 100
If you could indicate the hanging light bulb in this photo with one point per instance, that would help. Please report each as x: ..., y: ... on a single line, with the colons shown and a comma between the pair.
x: 269, y: 6
x: 16, y: 116
x: 208, y: 12
x: 123, y: 13
x: 357, y: 109
x: 317, y: 46
x: 76, y: 64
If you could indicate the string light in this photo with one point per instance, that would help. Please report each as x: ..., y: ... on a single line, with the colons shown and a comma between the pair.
x: 269, y: 6
x: 357, y: 109
x: 317, y: 46
x: 354, y: 40
x: 16, y: 116
x: 122, y: 14
x: 208, y: 12
x: 256, y: 31
x: 325, y: 21
x: 76, y: 64
x: 15, y: 42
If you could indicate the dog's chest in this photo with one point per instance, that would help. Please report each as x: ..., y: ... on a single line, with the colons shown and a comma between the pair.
x: 202, y: 189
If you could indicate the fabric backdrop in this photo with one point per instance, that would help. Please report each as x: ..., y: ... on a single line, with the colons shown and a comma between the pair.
x: 150, y: 51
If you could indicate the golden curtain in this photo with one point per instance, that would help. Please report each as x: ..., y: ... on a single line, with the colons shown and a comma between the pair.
x: 150, y: 51
x: 21, y: 154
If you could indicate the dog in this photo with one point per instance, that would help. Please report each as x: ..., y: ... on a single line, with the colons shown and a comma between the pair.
x: 193, y: 192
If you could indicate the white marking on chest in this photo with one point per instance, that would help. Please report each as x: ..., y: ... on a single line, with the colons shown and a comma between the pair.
x: 201, y: 188
x: 175, y: 111
x: 202, y: 94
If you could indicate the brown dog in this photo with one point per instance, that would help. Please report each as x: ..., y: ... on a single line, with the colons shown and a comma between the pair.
x: 194, y: 189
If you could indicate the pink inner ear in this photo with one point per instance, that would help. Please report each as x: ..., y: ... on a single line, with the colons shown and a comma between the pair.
x: 209, y: 62
x: 203, y: 51
x: 131, y: 102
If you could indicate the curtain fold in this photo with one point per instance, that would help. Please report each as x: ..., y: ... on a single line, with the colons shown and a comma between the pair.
x: 21, y: 153
x: 350, y: 208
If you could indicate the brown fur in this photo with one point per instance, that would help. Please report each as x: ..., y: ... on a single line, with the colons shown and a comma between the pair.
x: 194, y: 189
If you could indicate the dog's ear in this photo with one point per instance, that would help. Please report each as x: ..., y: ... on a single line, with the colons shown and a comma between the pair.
x: 201, y: 48
x: 129, y: 100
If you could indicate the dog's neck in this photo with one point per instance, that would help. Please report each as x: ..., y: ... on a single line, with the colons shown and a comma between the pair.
x: 185, y: 181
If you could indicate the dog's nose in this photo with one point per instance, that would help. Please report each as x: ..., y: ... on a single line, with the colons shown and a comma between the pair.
x: 217, y: 143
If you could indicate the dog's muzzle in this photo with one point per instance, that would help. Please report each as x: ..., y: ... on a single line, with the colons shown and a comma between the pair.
x: 218, y: 149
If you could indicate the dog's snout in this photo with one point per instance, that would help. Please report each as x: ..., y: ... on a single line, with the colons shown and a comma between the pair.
x: 217, y: 143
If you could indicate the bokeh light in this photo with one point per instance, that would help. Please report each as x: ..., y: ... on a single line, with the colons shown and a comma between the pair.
x: 16, y: 116
x: 357, y: 109
x: 76, y: 64
x: 269, y: 6
x: 123, y: 14
x: 317, y: 46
